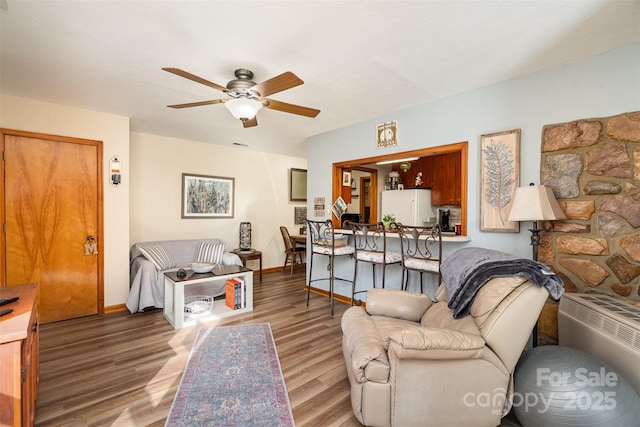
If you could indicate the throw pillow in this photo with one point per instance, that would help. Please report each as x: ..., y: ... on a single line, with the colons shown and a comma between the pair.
x: 158, y: 256
x: 210, y: 252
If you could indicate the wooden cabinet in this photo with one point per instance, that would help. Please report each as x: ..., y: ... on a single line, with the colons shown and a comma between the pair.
x: 19, y: 357
x: 423, y: 165
x: 441, y: 173
x: 447, y: 182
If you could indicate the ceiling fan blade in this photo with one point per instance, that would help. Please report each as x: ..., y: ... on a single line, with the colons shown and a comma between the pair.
x: 250, y: 123
x: 291, y: 108
x: 284, y: 81
x: 193, y: 77
x: 196, y: 104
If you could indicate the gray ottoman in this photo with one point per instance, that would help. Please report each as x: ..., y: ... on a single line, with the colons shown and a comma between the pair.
x: 562, y: 386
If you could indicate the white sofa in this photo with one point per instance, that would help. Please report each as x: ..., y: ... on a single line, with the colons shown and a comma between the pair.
x: 146, y: 282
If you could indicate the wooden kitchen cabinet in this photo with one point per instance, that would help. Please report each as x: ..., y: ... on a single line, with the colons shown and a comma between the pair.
x: 408, y: 178
x: 19, y: 357
x: 447, y: 183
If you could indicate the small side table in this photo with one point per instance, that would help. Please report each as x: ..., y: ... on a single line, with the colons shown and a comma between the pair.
x: 247, y: 255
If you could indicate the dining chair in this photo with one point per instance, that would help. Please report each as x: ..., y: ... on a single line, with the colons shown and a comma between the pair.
x: 418, y: 246
x: 324, y: 243
x: 370, y: 246
x: 291, y: 250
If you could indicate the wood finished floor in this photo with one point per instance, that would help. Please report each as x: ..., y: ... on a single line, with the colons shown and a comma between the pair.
x: 121, y: 369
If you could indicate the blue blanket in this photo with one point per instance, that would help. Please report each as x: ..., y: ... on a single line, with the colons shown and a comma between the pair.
x: 468, y: 269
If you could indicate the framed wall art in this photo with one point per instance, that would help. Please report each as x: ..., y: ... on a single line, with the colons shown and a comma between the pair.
x: 207, y: 196
x: 339, y: 207
x: 299, y: 215
x: 499, y: 178
x: 387, y: 134
x: 318, y: 206
x: 346, y: 179
x: 297, y: 185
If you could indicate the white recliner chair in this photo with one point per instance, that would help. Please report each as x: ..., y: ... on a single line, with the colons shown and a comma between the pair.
x: 410, y: 363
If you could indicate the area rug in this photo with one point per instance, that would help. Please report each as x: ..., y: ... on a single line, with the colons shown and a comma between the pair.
x: 233, y: 378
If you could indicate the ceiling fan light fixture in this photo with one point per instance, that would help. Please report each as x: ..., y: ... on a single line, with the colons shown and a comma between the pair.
x: 243, y: 108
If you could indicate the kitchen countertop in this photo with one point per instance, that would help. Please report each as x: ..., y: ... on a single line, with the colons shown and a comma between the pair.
x: 446, y: 236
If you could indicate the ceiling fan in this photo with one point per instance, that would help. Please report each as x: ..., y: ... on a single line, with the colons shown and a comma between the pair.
x: 247, y: 97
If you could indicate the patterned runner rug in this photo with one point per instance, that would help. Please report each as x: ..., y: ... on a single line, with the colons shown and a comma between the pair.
x: 233, y: 378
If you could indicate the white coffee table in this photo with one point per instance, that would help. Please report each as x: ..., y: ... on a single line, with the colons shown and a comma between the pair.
x: 174, y: 295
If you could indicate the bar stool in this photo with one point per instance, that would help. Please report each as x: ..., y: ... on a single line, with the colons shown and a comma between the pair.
x: 418, y: 245
x: 370, y: 245
x: 323, y: 242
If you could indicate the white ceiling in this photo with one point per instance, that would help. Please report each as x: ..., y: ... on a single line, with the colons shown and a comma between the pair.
x: 359, y: 59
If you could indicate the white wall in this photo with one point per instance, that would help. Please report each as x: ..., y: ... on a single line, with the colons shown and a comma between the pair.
x: 146, y: 206
x: 261, y: 193
x: 601, y: 86
x: 41, y: 117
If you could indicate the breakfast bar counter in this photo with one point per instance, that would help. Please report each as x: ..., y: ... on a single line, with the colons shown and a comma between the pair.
x: 446, y: 236
x: 344, y: 267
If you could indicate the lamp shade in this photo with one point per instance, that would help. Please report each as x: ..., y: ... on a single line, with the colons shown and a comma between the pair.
x: 243, y: 108
x: 535, y: 203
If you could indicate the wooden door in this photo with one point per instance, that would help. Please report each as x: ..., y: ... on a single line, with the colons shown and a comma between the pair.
x: 365, y: 198
x: 53, y: 202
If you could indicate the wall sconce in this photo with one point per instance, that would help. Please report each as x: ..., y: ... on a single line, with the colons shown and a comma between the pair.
x: 114, y: 171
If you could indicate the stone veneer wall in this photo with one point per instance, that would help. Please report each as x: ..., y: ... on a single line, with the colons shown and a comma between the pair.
x: 593, y: 166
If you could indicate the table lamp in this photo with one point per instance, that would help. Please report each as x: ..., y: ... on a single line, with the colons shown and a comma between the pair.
x: 245, y: 236
x: 535, y: 203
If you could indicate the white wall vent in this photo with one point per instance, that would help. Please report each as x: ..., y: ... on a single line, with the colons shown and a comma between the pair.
x: 605, y: 327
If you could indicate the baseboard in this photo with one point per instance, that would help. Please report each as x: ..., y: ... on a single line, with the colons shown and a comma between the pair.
x: 115, y: 308
x: 280, y: 268
x: 336, y: 297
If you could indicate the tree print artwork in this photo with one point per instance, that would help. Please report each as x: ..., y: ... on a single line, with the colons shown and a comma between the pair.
x: 498, y: 161
x: 499, y: 178
x: 207, y: 196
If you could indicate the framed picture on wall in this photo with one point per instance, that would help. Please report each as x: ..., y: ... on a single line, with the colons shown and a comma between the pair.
x: 297, y: 185
x: 207, y: 196
x: 499, y: 178
x: 346, y: 179
x: 300, y: 215
x: 339, y: 207
x: 387, y: 134
x: 318, y: 206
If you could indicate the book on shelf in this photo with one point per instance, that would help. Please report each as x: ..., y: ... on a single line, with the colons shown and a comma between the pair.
x: 234, y: 293
x: 230, y: 294
x: 243, y: 288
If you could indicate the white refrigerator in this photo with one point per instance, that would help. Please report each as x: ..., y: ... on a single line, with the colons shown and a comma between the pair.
x: 410, y: 207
